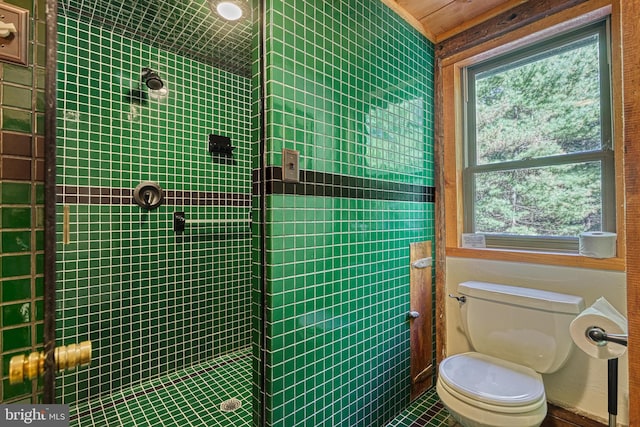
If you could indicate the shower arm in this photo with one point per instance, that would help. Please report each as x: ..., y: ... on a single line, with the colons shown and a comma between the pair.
x: 600, y: 337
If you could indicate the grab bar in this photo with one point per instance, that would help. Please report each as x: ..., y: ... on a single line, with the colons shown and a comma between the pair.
x: 217, y: 221
x: 180, y: 221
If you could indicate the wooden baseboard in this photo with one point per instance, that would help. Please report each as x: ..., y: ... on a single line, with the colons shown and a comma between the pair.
x: 560, y: 417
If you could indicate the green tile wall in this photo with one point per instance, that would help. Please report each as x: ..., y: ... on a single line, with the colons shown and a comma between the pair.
x: 151, y: 301
x: 349, y: 84
x: 22, y: 206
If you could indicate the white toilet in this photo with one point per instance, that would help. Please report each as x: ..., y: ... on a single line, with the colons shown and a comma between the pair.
x: 517, y: 334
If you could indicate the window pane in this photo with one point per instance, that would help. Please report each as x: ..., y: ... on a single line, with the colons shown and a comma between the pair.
x: 548, y: 201
x: 547, y: 105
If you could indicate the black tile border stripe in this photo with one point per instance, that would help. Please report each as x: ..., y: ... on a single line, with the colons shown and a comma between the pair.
x: 67, y: 194
x: 153, y: 388
x: 332, y: 185
x: 311, y: 184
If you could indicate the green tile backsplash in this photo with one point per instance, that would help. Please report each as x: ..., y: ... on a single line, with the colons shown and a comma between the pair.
x: 349, y: 85
x: 21, y: 202
x: 151, y: 300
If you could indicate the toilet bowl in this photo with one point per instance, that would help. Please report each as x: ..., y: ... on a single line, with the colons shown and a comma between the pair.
x: 483, y: 391
x: 516, y: 334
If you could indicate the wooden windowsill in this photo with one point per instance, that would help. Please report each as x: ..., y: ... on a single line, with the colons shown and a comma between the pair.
x: 545, y: 258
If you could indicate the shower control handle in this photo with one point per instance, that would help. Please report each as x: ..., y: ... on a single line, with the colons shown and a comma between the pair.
x: 148, y: 195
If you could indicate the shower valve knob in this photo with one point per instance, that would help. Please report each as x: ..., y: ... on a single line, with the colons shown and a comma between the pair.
x: 148, y: 195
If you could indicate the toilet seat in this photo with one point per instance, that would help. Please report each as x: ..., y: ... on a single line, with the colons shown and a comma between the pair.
x: 493, y: 384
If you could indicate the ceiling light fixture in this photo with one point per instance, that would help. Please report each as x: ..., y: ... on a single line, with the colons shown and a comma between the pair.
x: 231, y: 10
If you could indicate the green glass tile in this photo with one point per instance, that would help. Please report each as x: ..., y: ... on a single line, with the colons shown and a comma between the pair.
x: 39, y: 287
x: 40, y: 101
x: 40, y: 123
x: 39, y: 308
x: 16, y: 265
x: 40, y: 263
x: 39, y: 217
x: 16, y: 217
x: 13, y: 290
x: 39, y: 194
x: 41, y: 51
x: 16, y: 314
x: 40, y: 332
x: 17, y: 120
x: 16, y: 241
x: 15, y: 96
x: 16, y: 338
x: 41, y: 33
x: 40, y: 77
x: 39, y: 240
x: 17, y: 74
x: 12, y: 391
x: 16, y: 193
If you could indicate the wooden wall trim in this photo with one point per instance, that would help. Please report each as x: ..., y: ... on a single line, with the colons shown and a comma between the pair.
x: 503, y: 23
x: 440, y: 237
x: 630, y: 17
x: 560, y: 417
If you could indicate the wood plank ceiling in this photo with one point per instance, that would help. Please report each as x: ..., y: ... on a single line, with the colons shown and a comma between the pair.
x: 440, y: 19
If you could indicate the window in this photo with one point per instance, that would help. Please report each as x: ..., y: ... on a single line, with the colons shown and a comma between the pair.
x: 538, y: 157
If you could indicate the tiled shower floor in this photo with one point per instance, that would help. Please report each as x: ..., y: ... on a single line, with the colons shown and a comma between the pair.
x: 425, y: 411
x: 192, y: 397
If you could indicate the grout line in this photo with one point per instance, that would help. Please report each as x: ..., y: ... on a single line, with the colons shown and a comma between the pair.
x: 170, y: 383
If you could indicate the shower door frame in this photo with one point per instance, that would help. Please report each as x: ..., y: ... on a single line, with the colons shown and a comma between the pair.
x: 49, y: 394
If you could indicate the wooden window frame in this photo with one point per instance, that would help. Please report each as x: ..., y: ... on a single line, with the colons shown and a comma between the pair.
x: 452, y: 131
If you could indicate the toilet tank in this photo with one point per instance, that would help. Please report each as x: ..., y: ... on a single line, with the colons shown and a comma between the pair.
x: 525, y: 326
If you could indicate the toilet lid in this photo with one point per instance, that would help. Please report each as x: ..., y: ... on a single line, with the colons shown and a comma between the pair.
x: 491, y: 380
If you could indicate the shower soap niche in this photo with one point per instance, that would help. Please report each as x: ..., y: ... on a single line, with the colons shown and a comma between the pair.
x: 148, y: 195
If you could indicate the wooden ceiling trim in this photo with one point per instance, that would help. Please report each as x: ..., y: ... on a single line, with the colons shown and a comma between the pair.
x: 456, y: 13
x: 404, y: 14
x: 518, y: 17
x: 502, y: 8
x: 421, y: 9
x: 548, y: 26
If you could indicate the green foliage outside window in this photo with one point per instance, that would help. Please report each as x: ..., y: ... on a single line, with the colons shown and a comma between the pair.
x: 538, y: 140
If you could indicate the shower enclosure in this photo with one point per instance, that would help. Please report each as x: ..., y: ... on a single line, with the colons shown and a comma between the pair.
x: 225, y: 294
x: 161, y: 288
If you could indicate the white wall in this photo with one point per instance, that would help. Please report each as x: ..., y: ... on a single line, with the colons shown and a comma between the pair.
x: 582, y: 384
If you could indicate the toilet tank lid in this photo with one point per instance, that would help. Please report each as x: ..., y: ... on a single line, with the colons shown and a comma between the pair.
x: 525, y: 297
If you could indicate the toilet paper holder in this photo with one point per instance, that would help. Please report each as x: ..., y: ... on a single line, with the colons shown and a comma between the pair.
x: 600, y: 337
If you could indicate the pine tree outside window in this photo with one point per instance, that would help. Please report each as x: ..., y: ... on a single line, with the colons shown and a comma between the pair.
x: 539, y: 162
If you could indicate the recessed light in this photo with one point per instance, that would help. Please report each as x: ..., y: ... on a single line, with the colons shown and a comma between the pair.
x: 229, y: 10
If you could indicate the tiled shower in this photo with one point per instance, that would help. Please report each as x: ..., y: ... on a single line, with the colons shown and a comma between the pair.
x: 317, y: 284
x: 152, y: 300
